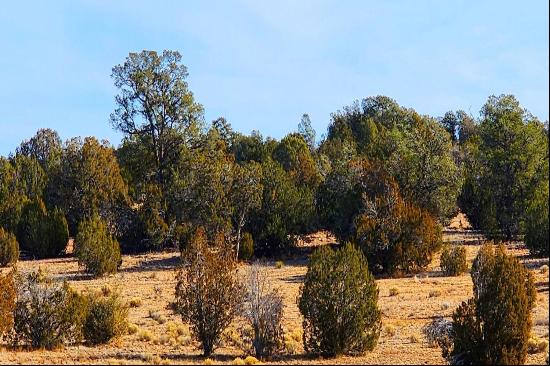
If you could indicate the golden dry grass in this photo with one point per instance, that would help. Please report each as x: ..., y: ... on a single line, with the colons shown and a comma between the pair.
x: 150, y: 277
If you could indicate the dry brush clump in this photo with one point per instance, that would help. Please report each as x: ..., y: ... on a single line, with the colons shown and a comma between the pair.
x: 7, y: 302
x: 207, y: 283
x: 453, y: 261
x: 339, y: 303
x: 9, y: 248
x: 494, y: 326
x: 438, y: 333
x: 107, y: 317
x: 263, y: 310
x: 38, y: 312
x: 47, y: 314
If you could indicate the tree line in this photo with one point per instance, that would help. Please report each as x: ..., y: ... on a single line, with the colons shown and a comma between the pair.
x: 384, y: 177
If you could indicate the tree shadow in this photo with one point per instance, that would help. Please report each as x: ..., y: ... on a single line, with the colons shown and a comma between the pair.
x: 294, y: 279
x: 532, y: 262
x: 75, y: 276
x: 150, y: 265
x: 541, y: 286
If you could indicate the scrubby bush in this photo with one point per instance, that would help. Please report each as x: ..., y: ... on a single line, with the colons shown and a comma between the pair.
x: 263, y: 309
x: 339, y: 303
x: 207, y: 283
x: 396, y: 236
x: 246, y: 249
x: 7, y: 302
x: 95, y: 249
x: 361, y: 202
x: 453, y: 261
x: 47, y: 314
x: 494, y: 326
x: 41, y: 233
x: 9, y: 248
x: 107, y: 318
x: 438, y: 333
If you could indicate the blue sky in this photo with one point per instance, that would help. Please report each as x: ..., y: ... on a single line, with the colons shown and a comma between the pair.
x: 261, y: 64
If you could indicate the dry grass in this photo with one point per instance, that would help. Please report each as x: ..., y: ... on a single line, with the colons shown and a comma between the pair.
x: 151, y: 278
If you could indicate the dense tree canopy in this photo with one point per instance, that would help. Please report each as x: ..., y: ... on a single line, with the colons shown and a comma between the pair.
x: 508, y: 161
x: 89, y: 182
x: 380, y: 163
x: 415, y: 149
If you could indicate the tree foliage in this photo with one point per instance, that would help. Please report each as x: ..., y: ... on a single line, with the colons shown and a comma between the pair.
x: 106, y: 318
x: 413, y: 148
x: 361, y: 202
x: 507, y: 165
x: 90, y: 182
x: 536, y: 222
x: 286, y: 210
x: 9, y: 248
x: 45, y: 146
x: 453, y: 261
x: 12, y: 199
x: 396, y: 236
x: 156, y: 106
x: 306, y: 130
x: 41, y: 233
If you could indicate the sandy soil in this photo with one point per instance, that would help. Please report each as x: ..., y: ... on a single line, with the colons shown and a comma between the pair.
x: 151, y: 278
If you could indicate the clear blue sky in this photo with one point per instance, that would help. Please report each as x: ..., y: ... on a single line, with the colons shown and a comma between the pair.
x: 261, y: 64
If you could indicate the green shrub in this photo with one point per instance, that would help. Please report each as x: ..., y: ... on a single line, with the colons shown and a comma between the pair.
x: 41, y: 233
x: 9, y: 248
x: 246, y: 248
x: 208, y: 284
x: 536, y: 223
x: 47, y: 314
x: 107, y: 318
x: 7, y: 303
x: 95, y: 249
x: 494, y: 326
x: 339, y: 303
x: 453, y: 261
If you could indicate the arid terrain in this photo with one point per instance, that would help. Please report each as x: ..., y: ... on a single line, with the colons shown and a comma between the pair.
x: 151, y: 278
